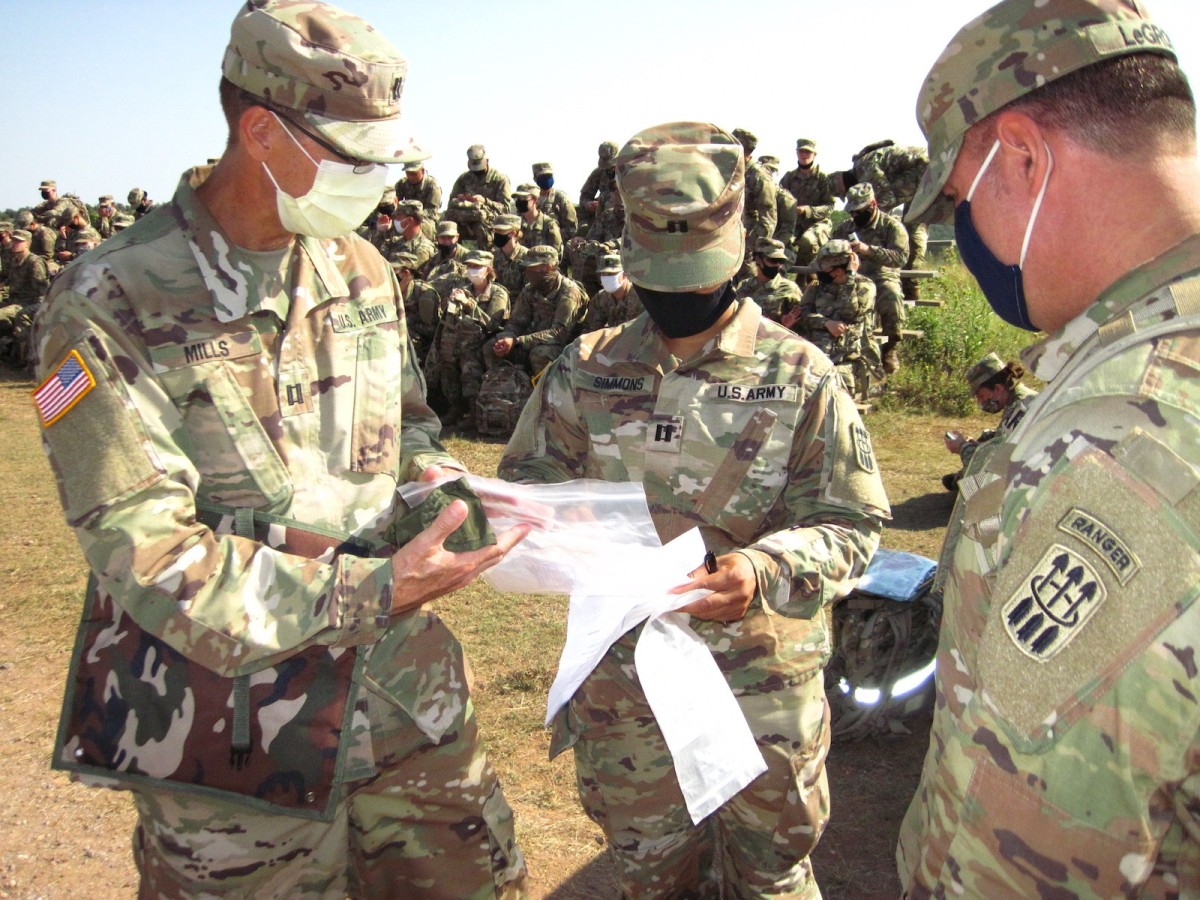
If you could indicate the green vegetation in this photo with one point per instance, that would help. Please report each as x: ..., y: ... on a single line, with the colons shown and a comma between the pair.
x: 956, y: 336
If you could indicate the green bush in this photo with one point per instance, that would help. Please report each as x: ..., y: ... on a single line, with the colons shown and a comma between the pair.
x: 956, y: 336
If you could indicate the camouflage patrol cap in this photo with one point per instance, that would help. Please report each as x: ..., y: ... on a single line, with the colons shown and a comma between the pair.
x: 6, y: 227
x: 122, y: 220
x: 48, y: 186
x: 479, y: 258
x: 607, y: 151
x: 333, y: 68
x: 410, y: 208
x: 1007, y: 52
x: 21, y: 234
x: 859, y: 197
x: 806, y: 144
x: 447, y: 226
x: 24, y: 218
x: 833, y: 254
x: 984, y: 371
x: 136, y: 196
x: 541, y: 255
x: 506, y: 223
x: 748, y: 139
x: 405, y: 260
x: 610, y: 264
x: 769, y: 248
x: 414, y: 165
x: 106, y: 200
x: 476, y: 158
x: 683, y: 184
x: 525, y: 190
x: 542, y: 168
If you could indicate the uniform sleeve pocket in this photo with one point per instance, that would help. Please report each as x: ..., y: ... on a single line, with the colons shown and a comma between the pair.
x: 375, y: 443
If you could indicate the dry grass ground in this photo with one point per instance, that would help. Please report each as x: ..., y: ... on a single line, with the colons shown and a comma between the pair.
x: 61, y: 840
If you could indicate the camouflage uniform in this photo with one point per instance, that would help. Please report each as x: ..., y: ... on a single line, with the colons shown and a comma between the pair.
x: 49, y: 212
x: 28, y: 279
x: 556, y: 204
x: 542, y: 230
x: 510, y: 274
x: 597, y: 184
x: 814, y: 206
x: 422, y: 306
x: 543, y: 321
x: 43, y: 240
x: 894, y: 173
x: 604, y: 309
x: 887, y: 246
x: 280, y: 384
x: 775, y: 296
x: 1063, y: 754
x: 798, y: 492
x: 469, y: 321
x: 496, y: 191
x: 429, y: 193
x: 852, y: 303
x: 104, y: 224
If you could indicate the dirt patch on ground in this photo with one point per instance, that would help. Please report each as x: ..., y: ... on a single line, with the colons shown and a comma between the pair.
x: 61, y: 840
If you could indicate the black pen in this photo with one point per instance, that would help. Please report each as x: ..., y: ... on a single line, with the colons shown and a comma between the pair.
x: 710, y: 562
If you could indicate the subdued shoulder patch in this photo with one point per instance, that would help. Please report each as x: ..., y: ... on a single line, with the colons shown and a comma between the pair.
x: 1053, y: 604
x: 864, y: 452
x: 63, y: 388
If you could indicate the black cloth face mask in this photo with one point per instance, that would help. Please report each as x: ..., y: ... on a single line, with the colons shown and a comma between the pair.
x: 684, y: 313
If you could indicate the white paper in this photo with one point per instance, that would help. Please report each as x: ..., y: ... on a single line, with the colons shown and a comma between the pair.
x: 713, y: 749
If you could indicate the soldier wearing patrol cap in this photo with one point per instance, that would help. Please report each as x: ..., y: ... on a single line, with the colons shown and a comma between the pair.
x: 546, y: 315
x: 553, y: 202
x: 814, y: 201
x: 536, y: 227
x: 597, y: 184
x: 228, y: 400
x: 783, y: 487
x: 758, y: 214
x: 997, y: 387
x: 881, y: 244
x: 417, y: 184
x: 616, y: 302
x: 408, y: 234
x: 768, y: 286
x: 508, y: 251
x: 422, y: 303
x: 140, y: 201
x: 105, y: 210
x: 478, y: 195
x: 53, y: 207
x: 1063, y: 757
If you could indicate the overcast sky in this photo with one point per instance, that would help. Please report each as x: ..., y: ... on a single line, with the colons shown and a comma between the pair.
x: 119, y: 93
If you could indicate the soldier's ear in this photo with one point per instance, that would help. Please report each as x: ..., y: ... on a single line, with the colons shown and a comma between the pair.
x: 257, y: 131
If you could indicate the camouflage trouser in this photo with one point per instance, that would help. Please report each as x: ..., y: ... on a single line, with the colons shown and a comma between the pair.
x: 917, y: 239
x: 433, y: 824
x: 889, y: 311
x: 757, y: 844
x: 809, y: 241
x: 16, y: 324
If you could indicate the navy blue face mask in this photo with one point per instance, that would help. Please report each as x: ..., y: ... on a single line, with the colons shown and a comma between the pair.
x: 1000, y: 282
x: 545, y: 182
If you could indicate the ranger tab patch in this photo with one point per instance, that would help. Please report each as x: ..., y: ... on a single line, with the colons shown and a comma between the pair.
x: 63, y: 388
x: 1053, y: 604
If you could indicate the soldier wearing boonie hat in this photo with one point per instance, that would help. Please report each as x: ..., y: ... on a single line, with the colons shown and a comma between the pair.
x: 1061, y: 137
x: 264, y: 586
x: 711, y: 407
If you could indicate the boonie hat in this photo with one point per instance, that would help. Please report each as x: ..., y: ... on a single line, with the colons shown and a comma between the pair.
x: 541, y: 255
x: 476, y: 158
x: 859, y: 197
x: 984, y: 371
x: 1007, y: 52
x: 335, y: 70
x: 683, y: 184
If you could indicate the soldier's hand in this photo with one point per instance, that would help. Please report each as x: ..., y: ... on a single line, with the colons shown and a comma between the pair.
x: 835, y: 328
x: 733, y: 586
x: 502, y: 346
x: 859, y: 247
x: 954, y: 441
x: 423, y: 569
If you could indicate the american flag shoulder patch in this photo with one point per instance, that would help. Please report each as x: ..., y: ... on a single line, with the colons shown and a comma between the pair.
x: 63, y: 388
